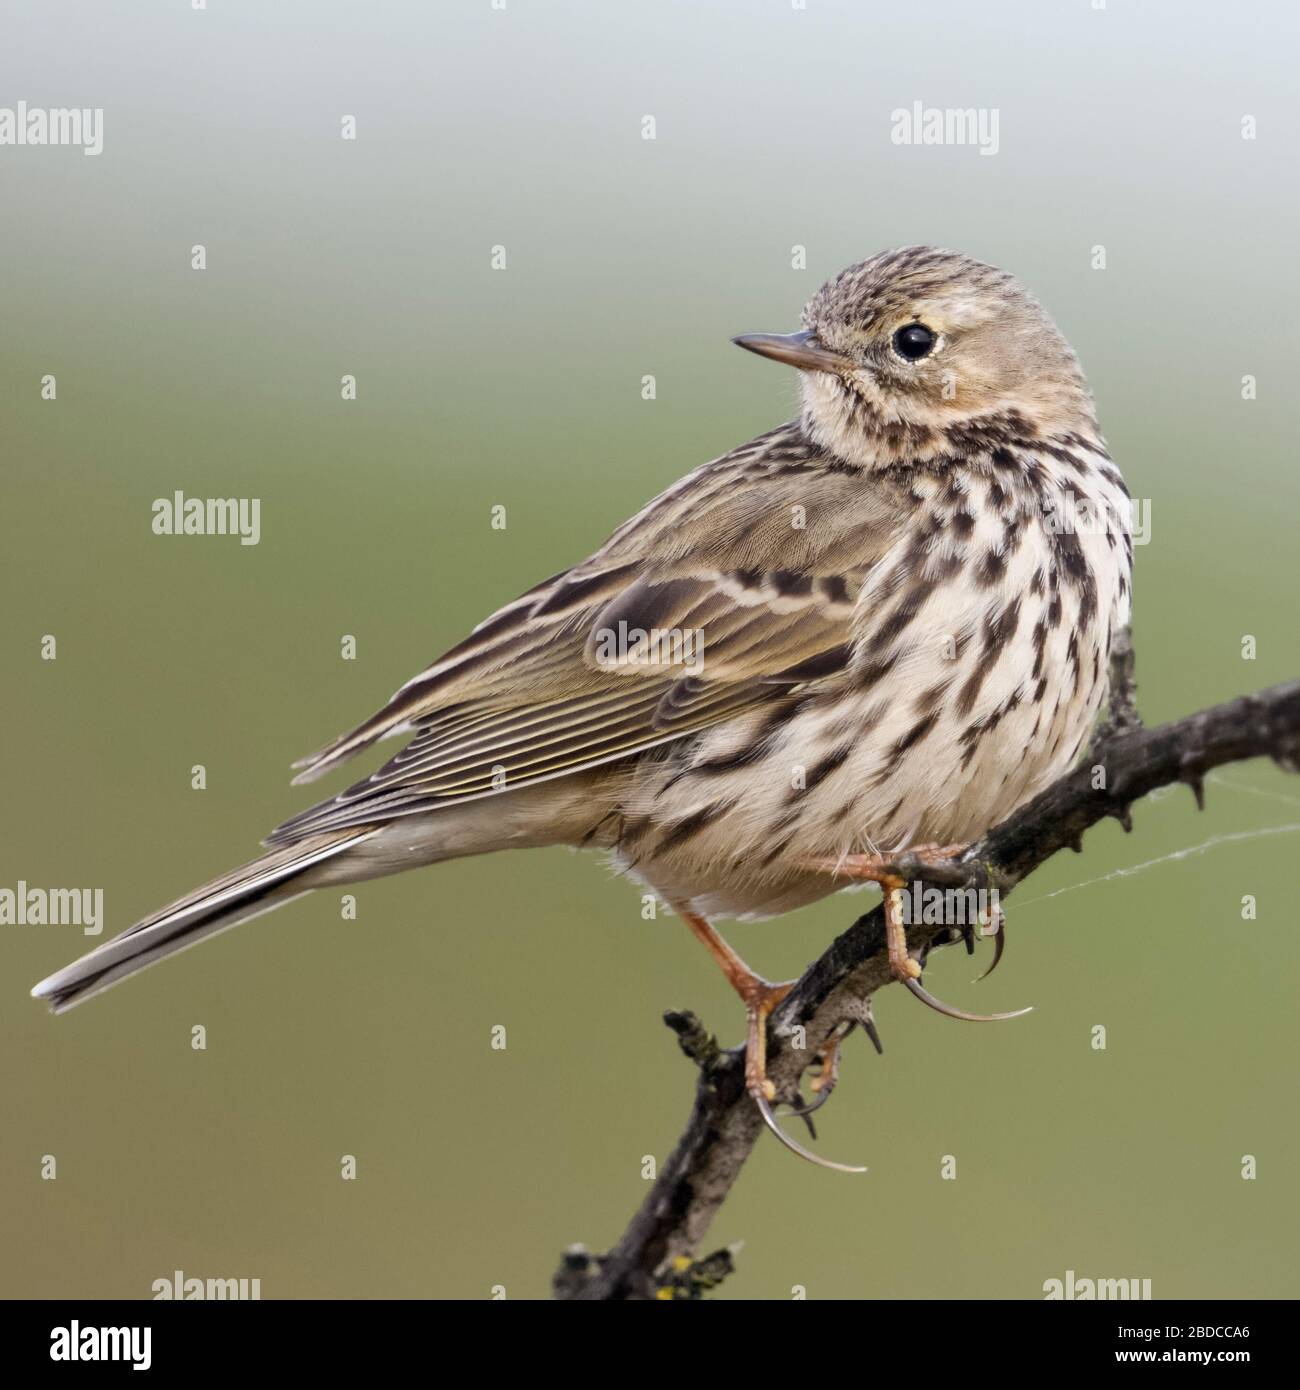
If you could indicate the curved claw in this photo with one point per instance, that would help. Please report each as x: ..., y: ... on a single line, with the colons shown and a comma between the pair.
x: 939, y: 1006
x: 999, y: 945
x: 769, y: 1119
x: 825, y: 1083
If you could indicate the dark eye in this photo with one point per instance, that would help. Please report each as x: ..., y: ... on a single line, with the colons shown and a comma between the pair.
x: 913, y: 342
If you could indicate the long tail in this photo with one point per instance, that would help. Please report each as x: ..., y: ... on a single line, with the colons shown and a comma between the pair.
x: 247, y: 892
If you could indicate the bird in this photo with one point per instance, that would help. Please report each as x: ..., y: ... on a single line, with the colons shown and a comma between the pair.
x: 879, y: 627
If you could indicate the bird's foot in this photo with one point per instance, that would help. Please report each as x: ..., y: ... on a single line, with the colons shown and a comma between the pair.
x: 828, y: 1069
x: 759, y: 997
x: 876, y: 868
x: 827, y: 1062
x: 759, y: 1001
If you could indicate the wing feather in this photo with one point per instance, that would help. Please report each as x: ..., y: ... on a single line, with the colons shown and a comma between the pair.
x: 533, y: 693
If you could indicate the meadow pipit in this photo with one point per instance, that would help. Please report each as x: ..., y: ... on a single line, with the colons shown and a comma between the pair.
x: 880, y: 626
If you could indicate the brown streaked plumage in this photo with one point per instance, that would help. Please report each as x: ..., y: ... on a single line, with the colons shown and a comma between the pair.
x: 873, y: 633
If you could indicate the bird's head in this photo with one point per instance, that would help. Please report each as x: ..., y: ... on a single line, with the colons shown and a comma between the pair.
x: 903, y: 354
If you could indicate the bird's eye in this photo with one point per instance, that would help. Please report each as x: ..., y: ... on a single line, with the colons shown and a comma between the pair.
x: 914, y: 342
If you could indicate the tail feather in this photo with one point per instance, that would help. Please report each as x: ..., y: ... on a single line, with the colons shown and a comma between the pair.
x: 236, y: 897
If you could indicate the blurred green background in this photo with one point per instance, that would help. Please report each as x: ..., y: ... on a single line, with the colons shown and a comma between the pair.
x: 522, y: 127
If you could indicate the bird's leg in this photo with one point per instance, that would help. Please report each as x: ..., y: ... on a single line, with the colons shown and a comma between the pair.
x: 875, y: 868
x: 759, y: 997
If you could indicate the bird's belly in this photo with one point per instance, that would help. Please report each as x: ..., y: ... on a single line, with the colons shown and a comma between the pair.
x: 732, y: 847
x: 936, y: 750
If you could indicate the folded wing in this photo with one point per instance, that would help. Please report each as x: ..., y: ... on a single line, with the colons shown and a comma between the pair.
x: 673, y: 626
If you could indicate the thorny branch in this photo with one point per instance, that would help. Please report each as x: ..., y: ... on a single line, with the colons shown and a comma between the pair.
x: 656, y: 1256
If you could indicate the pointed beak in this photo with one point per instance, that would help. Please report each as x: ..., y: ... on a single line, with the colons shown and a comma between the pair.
x: 800, y: 350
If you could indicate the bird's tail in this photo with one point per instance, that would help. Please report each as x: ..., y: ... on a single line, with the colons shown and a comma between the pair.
x: 236, y: 897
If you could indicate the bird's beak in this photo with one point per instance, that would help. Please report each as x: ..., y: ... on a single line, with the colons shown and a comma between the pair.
x: 800, y: 350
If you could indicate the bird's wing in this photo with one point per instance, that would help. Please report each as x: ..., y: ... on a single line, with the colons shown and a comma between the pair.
x: 562, y: 680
